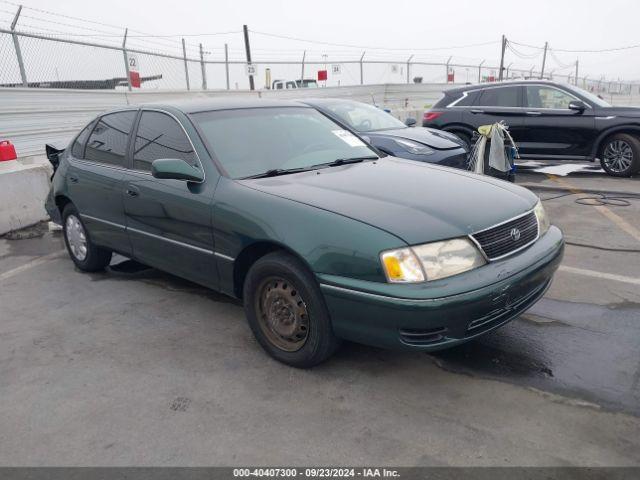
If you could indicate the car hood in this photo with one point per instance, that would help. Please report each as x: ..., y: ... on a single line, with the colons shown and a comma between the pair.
x: 414, y: 201
x: 427, y: 136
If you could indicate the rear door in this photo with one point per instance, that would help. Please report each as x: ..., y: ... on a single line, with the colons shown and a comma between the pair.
x: 96, y: 170
x: 551, y: 128
x: 495, y: 104
x: 169, y: 221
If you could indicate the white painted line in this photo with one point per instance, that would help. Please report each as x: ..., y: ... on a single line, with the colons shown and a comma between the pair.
x: 32, y: 264
x: 602, y: 275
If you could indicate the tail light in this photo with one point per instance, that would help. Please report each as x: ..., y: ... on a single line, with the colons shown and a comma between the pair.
x: 431, y: 116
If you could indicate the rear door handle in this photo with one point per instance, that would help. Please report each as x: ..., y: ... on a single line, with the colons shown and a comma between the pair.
x: 474, y: 110
x: 73, y: 179
x: 534, y: 114
x: 132, y: 192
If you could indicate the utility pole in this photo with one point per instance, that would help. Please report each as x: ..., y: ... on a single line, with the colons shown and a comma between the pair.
x: 126, y: 58
x: 408, y: 65
x: 186, y: 65
x: 480, y: 71
x: 576, y: 72
x: 16, y: 44
x: 504, y: 46
x: 248, y: 50
x: 446, y: 78
x: 544, y: 59
x: 508, y: 67
x: 226, y: 63
x: 304, y: 54
x: 203, y: 68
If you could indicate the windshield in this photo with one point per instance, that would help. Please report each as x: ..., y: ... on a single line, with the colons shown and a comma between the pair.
x: 590, y: 97
x: 363, y: 117
x: 253, y: 141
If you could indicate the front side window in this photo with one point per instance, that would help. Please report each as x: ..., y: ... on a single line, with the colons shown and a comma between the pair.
x: 108, y: 141
x: 160, y: 136
x: 500, y: 97
x: 363, y: 117
x: 252, y: 141
x: 547, y: 97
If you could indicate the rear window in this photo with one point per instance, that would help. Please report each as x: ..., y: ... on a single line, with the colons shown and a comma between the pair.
x: 77, y: 149
x: 500, y: 97
x: 108, y: 141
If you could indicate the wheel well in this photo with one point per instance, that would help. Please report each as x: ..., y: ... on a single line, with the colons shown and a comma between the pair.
x: 634, y: 131
x: 251, y: 255
x: 61, y: 202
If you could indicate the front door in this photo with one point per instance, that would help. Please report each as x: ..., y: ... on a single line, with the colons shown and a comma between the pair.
x: 96, y: 171
x: 552, y: 130
x: 169, y: 221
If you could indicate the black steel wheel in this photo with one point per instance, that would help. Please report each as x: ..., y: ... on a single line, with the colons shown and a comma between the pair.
x: 286, y: 311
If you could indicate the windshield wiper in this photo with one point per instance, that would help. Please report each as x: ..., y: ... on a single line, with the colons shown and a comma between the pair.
x: 275, y: 172
x: 345, y: 161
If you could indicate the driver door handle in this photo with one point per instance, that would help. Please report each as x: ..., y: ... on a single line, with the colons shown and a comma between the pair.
x: 475, y: 110
x: 132, y: 192
x: 534, y: 114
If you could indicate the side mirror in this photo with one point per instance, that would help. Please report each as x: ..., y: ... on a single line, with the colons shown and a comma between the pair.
x: 176, y: 169
x: 577, y: 106
x: 410, y: 122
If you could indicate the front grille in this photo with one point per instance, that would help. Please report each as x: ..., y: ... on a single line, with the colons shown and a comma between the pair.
x: 504, y: 239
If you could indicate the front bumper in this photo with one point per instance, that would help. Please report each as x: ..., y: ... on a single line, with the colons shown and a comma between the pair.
x: 436, y: 315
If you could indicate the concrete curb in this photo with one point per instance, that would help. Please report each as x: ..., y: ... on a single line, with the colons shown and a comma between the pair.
x: 559, y: 188
x: 23, y: 190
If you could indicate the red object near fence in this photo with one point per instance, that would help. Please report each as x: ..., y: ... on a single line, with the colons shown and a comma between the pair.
x: 134, y: 77
x: 322, y: 75
x: 7, y: 151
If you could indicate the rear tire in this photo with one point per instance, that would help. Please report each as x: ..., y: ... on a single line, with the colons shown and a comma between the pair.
x: 620, y: 155
x: 286, y: 311
x: 87, y: 256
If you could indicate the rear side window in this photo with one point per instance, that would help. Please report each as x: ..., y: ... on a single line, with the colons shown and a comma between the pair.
x: 160, y: 136
x: 500, y: 97
x: 468, y: 100
x: 77, y: 149
x: 108, y: 141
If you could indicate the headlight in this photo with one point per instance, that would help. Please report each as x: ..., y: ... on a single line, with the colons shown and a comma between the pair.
x: 431, y: 261
x: 413, y: 147
x: 543, y: 220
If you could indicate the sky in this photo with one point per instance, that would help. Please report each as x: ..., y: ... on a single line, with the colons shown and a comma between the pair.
x: 402, y: 27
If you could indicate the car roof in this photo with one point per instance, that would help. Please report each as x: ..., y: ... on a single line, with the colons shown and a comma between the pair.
x: 326, y: 101
x: 506, y: 83
x: 223, y: 103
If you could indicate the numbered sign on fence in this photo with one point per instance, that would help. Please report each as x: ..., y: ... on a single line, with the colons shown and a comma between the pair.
x: 251, y: 70
x: 134, y: 72
x: 336, y: 69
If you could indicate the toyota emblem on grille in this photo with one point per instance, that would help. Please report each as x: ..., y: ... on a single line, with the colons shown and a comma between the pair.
x: 515, y: 234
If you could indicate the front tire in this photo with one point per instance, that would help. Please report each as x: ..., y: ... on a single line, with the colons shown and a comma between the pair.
x: 87, y: 256
x: 620, y: 155
x: 286, y: 311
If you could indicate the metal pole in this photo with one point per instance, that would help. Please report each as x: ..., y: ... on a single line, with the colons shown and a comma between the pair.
x: 16, y: 44
x: 248, y: 51
x: 304, y: 54
x: 480, y: 71
x: 504, y: 46
x: 186, y: 67
x: 408, y: 65
x: 531, y: 72
x: 226, y: 63
x: 576, y: 72
x: 361, y: 69
x: 446, y: 78
x: 544, y: 59
x: 508, y: 67
x: 126, y: 58
x: 204, y: 70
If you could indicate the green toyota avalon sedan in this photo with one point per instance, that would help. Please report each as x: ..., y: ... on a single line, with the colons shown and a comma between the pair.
x: 321, y: 237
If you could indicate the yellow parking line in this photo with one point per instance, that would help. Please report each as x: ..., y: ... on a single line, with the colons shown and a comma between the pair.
x: 617, y: 219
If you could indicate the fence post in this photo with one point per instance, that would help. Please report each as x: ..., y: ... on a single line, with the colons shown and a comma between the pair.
x: 204, y: 70
x: 226, y: 63
x: 186, y: 67
x: 408, y: 65
x: 480, y: 71
x: 446, y: 77
x: 361, y: 70
x: 304, y: 54
x: 16, y: 44
x: 126, y: 58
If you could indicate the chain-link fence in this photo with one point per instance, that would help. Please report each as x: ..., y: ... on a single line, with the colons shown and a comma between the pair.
x: 44, y: 60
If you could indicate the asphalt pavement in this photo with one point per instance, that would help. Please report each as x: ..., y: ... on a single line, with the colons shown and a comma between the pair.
x: 133, y: 366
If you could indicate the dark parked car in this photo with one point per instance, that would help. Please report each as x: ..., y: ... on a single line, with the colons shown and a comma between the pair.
x: 391, y: 136
x: 547, y: 120
x: 275, y: 203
